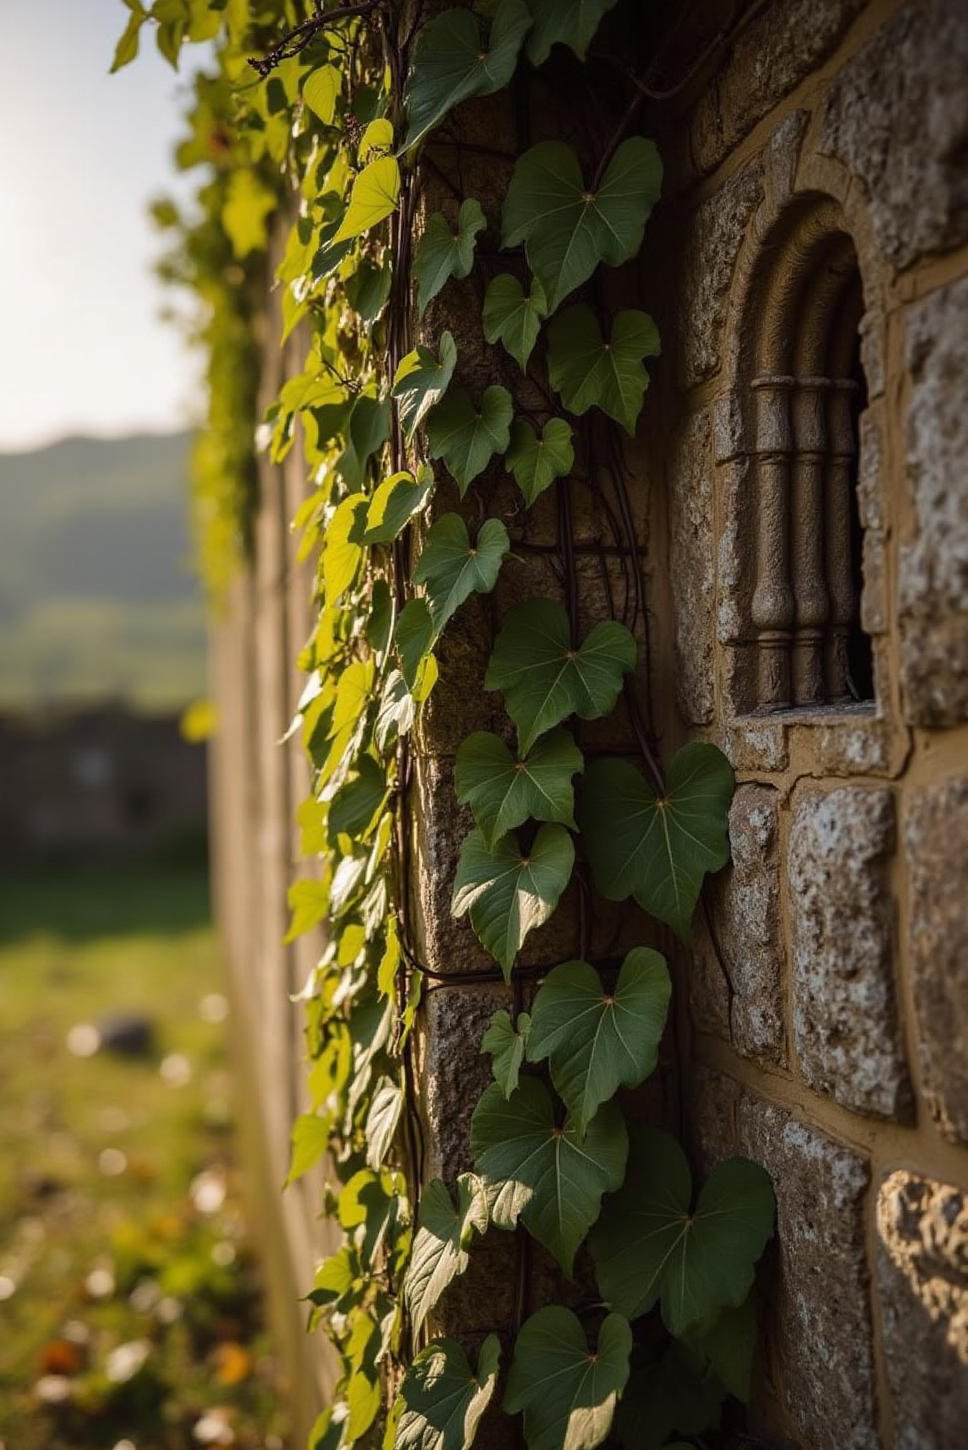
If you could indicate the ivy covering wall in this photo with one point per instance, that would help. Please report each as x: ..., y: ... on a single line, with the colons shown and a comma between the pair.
x: 316, y: 122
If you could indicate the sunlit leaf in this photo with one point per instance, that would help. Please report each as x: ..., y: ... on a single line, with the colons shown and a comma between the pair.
x: 382, y: 1120
x: 441, y: 1242
x: 248, y: 206
x: 356, y: 804
x: 443, y: 1398
x: 320, y: 90
x: 343, y: 551
x: 310, y: 1140
x: 374, y: 197
x: 507, y: 893
x: 394, y: 504
x: 567, y: 1392
x: 421, y: 380
x: 504, y: 792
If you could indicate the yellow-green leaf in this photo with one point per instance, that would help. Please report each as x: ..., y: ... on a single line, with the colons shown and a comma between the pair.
x: 373, y: 198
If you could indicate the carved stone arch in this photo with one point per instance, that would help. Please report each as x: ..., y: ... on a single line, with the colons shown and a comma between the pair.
x: 797, y: 387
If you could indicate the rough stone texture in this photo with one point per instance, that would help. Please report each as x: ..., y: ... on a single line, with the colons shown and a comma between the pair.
x: 933, y: 584
x: 454, y: 1072
x: 693, y: 572
x: 922, y: 1285
x: 897, y: 117
x: 713, y: 242
x: 936, y: 847
x: 844, y: 1015
x: 771, y: 56
x: 870, y: 502
x: 747, y: 924
x: 818, y: 1336
x: 757, y: 744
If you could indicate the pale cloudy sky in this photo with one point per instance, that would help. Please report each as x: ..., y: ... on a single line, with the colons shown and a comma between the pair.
x: 81, y: 346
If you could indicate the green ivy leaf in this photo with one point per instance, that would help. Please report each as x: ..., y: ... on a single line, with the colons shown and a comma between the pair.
x: 441, y: 1242
x: 368, y: 290
x: 652, y: 1243
x: 587, y: 371
x: 467, y: 439
x: 570, y: 22
x: 382, y: 1120
x: 544, y: 680
x: 665, y: 1396
x: 421, y: 381
x: 568, y: 1395
x: 444, y: 1399
x: 394, y: 504
x: 512, y: 318
x: 320, y: 90
x: 568, y: 230
x: 451, y: 570
x: 537, y: 462
x: 506, y: 894
x: 504, y: 792
x: 379, y: 625
x: 549, y: 1177
x: 658, y: 850
x: 441, y: 254
x: 356, y: 804
x: 309, y: 902
x: 506, y: 1044
x: 727, y: 1344
x: 413, y: 636
x: 368, y: 430
x: 343, y: 551
x: 310, y: 1140
x: 373, y: 198
x: 451, y: 64
x: 599, y: 1041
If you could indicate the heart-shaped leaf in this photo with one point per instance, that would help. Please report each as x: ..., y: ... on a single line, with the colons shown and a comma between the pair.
x: 441, y: 254
x: 568, y: 229
x: 386, y: 1106
x: 588, y: 371
x: 369, y: 427
x: 320, y: 89
x: 443, y: 1398
x: 506, y: 893
x: 343, y: 549
x: 441, y: 1241
x: 451, y: 63
x: 394, y: 504
x: 652, y: 1243
x: 355, y: 805
x: 544, y: 680
x: 413, y: 636
x: 537, y: 462
x: 566, y: 1391
x: 570, y: 22
x: 421, y: 381
x: 396, y: 713
x: 512, y: 318
x: 372, y: 199
x: 467, y: 439
x: 451, y: 569
x: 504, y: 792
x: 658, y: 850
x: 598, y: 1041
x: 546, y: 1175
x: 506, y: 1044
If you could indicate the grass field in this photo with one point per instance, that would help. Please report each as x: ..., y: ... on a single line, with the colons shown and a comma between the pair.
x: 130, y: 1307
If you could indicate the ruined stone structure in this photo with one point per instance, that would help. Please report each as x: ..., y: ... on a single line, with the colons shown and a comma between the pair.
x: 801, y: 495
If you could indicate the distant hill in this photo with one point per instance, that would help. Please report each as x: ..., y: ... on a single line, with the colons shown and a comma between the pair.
x: 97, y: 593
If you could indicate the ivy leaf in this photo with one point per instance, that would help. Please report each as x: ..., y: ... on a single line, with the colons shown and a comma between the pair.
x: 658, y: 850
x: 355, y: 804
x: 343, y: 551
x: 588, y: 371
x: 394, y: 504
x: 421, y: 381
x: 507, y: 894
x: 373, y: 198
x: 506, y: 1044
x: 568, y: 1395
x: 386, y: 1105
x: 441, y: 254
x: 320, y: 89
x: 512, y: 318
x: 572, y: 22
x: 599, y: 1041
x: 127, y: 47
x: 369, y: 428
x: 543, y: 1174
x: 452, y: 570
x: 652, y: 1243
x: 568, y: 229
x: 504, y: 792
x: 310, y: 1140
x: 396, y: 713
x: 665, y: 1396
x: 728, y: 1345
x: 537, y: 462
x: 467, y: 439
x: 544, y: 680
x: 450, y: 63
x: 413, y: 636
x: 443, y: 1397
x: 441, y: 1241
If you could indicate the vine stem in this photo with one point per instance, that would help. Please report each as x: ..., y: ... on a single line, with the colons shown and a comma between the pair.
x: 296, y: 39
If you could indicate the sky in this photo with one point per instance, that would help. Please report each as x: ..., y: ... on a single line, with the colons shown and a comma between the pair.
x: 82, y: 347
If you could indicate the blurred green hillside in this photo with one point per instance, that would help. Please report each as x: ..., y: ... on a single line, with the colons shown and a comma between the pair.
x: 97, y: 593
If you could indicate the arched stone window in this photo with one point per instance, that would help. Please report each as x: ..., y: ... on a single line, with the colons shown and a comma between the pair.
x: 802, y: 391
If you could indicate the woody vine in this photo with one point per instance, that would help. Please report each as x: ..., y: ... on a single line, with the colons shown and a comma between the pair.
x: 325, y: 116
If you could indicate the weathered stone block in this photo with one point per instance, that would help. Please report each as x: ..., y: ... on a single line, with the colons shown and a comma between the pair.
x: 933, y: 582
x: 693, y: 569
x: 936, y: 847
x: 922, y: 1285
x: 771, y: 56
x: 818, y: 1338
x: 844, y: 1014
x: 713, y: 242
x: 897, y: 117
